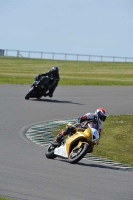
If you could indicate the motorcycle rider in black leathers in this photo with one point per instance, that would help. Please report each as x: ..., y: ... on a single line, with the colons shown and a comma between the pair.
x: 94, y: 119
x: 54, y: 78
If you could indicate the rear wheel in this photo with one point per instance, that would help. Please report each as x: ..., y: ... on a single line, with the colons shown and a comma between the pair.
x: 78, y: 153
x: 49, y: 153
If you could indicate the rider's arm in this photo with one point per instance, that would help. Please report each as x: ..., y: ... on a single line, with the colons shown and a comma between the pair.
x: 86, y: 117
x: 45, y: 74
x: 40, y: 75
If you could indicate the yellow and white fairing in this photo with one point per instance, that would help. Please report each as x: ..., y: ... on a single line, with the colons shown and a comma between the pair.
x: 89, y: 135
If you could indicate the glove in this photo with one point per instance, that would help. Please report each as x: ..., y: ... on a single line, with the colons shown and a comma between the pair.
x: 38, y: 77
x: 77, y: 125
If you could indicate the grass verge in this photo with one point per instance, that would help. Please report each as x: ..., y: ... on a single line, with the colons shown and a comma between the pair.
x: 23, y: 70
x: 116, y: 142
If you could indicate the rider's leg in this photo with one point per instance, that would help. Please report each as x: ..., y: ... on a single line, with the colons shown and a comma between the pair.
x: 50, y: 93
x: 63, y: 133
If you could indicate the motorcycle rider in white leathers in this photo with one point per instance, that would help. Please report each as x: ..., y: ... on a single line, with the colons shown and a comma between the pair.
x: 95, y: 120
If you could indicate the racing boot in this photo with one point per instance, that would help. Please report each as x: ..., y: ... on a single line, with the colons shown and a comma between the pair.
x: 48, y: 94
x: 58, y: 139
x: 61, y: 135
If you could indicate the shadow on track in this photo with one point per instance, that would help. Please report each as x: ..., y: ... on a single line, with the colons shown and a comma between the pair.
x: 96, y: 165
x: 104, y: 166
x: 55, y: 101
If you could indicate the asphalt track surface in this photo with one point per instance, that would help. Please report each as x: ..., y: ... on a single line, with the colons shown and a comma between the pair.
x: 25, y: 172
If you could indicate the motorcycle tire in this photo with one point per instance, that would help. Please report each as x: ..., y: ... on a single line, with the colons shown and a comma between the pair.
x: 49, y: 153
x: 30, y: 94
x: 78, y: 153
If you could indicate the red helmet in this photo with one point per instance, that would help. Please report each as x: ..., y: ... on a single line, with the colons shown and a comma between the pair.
x: 101, y: 113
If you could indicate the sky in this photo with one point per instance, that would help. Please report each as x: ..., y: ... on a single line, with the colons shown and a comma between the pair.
x: 90, y: 27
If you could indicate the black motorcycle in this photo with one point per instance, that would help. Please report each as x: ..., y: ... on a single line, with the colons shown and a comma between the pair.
x: 38, y: 88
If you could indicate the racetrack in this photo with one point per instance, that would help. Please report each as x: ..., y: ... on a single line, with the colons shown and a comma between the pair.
x: 26, y: 174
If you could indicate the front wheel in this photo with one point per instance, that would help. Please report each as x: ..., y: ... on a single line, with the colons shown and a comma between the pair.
x: 30, y: 94
x: 78, y: 153
x: 49, y: 153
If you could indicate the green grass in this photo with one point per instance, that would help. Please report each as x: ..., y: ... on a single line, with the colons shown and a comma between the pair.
x: 4, y: 198
x: 116, y: 142
x: 23, y: 70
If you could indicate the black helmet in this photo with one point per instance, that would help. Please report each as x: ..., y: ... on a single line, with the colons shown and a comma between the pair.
x: 101, y: 113
x: 55, y: 69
